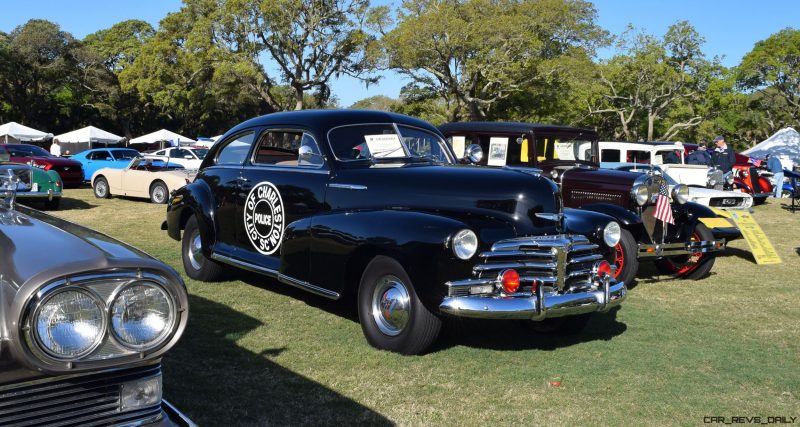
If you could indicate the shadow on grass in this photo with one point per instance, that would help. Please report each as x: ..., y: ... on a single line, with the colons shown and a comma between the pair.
x: 739, y: 253
x: 216, y: 382
x: 490, y: 334
x: 68, y: 203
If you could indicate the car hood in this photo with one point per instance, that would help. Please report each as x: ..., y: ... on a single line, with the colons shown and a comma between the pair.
x: 710, y: 192
x: 460, y: 191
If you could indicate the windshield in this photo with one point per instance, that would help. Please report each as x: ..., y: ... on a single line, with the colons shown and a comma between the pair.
x: 563, y: 148
x: 201, y: 153
x: 126, y: 154
x: 27, y: 151
x: 383, y: 142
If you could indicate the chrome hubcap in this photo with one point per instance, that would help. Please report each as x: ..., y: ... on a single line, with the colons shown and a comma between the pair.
x: 391, y: 305
x: 158, y: 194
x: 100, y: 187
x: 194, y: 253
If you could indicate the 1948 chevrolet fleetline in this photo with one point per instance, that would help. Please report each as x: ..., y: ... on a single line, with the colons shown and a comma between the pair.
x: 373, y: 205
x: 84, y: 321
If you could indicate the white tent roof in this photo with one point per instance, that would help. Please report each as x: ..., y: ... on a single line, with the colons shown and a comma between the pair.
x: 89, y: 134
x: 22, y: 132
x: 160, y: 135
x: 784, y: 142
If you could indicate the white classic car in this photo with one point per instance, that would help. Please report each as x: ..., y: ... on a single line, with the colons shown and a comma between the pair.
x: 188, y: 157
x: 668, y: 155
x: 142, y: 178
x: 705, y: 196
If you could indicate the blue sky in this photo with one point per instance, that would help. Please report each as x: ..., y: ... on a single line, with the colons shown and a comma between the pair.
x: 730, y: 28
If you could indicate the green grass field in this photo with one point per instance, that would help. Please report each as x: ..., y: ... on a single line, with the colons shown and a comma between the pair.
x: 257, y: 352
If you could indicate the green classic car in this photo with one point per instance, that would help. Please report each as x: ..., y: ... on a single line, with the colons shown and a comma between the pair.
x: 34, y: 184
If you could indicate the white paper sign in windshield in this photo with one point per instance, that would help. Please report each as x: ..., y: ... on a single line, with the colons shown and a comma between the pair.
x: 565, y: 150
x: 498, y: 150
x: 459, y: 142
x: 384, y: 145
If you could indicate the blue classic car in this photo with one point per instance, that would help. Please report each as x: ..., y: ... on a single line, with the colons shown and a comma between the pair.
x: 98, y: 158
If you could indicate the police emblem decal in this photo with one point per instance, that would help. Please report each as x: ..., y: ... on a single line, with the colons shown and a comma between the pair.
x: 264, y: 217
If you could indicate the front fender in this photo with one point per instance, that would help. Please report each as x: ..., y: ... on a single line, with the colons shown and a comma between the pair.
x: 587, y: 223
x: 344, y: 242
x: 192, y: 199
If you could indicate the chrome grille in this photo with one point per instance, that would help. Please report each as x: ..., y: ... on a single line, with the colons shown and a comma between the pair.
x: 726, y: 202
x: 87, y: 400
x: 717, y: 176
x: 582, y: 196
x: 562, y: 262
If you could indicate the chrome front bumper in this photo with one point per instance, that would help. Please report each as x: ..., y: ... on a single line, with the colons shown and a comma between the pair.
x: 674, y: 249
x: 536, y: 307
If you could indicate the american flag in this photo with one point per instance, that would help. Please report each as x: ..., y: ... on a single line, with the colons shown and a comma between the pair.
x: 663, y: 210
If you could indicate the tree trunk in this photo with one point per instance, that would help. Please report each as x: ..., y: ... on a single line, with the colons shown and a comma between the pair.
x: 298, y: 97
x: 650, y: 124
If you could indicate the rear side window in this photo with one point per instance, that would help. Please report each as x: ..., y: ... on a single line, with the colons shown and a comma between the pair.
x: 283, y: 147
x: 608, y: 155
x: 99, y: 155
x: 235, y: 150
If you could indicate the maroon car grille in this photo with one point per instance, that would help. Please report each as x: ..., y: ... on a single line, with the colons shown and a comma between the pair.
x: 580, y: 197
x: 89, y: 400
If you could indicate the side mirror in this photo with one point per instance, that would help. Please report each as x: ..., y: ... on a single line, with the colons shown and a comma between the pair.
x: 474, y: 153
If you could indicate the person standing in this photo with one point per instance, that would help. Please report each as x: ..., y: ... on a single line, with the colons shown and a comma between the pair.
x: 723, y: 157
x: 699, y: 156
x: 774, y: 165
x: 55, y: 148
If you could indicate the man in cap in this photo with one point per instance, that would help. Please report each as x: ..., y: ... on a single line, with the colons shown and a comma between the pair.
x: 776, y: 167
x: 723, y: 157
x: 699, y: 156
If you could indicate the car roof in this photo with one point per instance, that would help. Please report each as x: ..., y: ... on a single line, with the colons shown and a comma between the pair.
x: 653, y: 143
x: 324, y: 120
x: 508, y: 127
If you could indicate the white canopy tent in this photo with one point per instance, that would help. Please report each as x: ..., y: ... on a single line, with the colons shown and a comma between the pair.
x: 89, y: 134
x: 785, y: 142
x: 162, y: 135
x: 13, y: 132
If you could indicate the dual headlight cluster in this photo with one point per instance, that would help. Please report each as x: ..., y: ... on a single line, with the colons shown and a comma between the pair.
x: 641, y: 194
x: 70, y: 323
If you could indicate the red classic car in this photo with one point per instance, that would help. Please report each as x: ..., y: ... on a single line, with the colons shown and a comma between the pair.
x: 70, y: 171
x: 747, y: 177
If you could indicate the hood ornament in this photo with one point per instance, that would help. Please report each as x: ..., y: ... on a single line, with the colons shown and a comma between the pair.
x: 8, y: 189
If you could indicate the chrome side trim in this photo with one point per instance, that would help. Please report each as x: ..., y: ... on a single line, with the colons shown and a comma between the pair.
x: 347, y: 186
x: 288, y: 280
x: 673, y: 249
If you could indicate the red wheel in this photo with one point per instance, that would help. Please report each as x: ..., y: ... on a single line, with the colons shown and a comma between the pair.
x: 693, y: 266
x: 623, y: 256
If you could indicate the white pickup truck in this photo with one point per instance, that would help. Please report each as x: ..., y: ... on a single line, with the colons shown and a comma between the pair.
x: 669, y: 156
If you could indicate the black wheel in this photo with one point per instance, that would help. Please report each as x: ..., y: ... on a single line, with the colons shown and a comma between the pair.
x: 391, y: 315
x: 52, y: 204
x: 158, y: 192
x: 759, y: 200
x: 101, y: 189
x: 694, y: 266
x: 196, y: 264
x: 568, y: 325
x: 624, y: 257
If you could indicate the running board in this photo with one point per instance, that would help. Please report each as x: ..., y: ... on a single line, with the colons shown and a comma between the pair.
x: 288, y: 280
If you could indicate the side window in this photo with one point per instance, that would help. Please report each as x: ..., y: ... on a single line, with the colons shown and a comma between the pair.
x: 235, y: 151
x: 609, y: 155
x: 638, y: 156
x: 284, y: 147
x: 100, y: 155
x: 179, y: 153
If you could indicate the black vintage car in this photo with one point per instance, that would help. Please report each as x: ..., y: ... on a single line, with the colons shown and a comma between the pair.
x: 84, y: 321
x: 372, y: 205
x: 569, y: 156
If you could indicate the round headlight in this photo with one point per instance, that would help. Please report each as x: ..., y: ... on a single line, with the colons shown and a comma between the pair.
x: 712, y: 182
x: 680, y: 193
x: 612, y: 234
x: 69, y: 324
x: 640, y: 194
x: 465, y: 244
x: 142, y: 315
x: 729, y: 178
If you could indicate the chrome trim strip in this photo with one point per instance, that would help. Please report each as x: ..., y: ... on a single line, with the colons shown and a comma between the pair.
x: 561, y: 266
x: 540, y: 307
x: 347, y: 186
x: 291, y: 281
x: 175, y: 415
